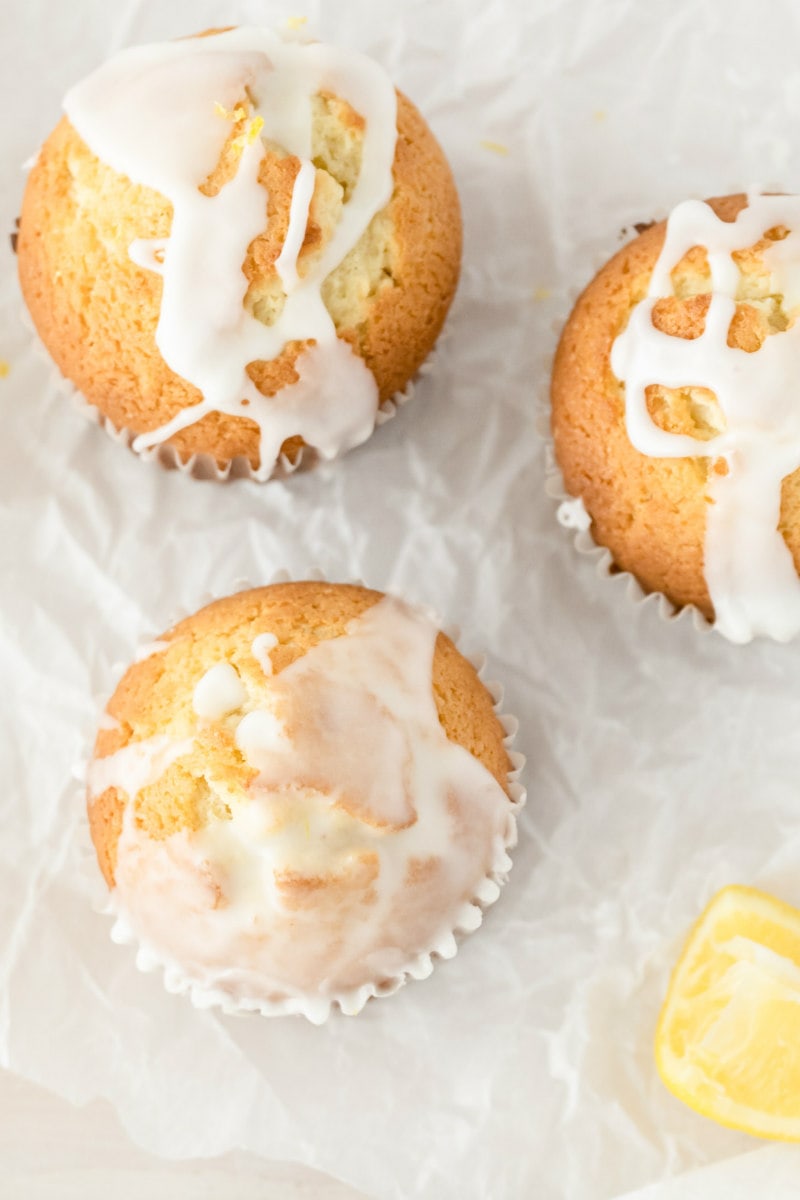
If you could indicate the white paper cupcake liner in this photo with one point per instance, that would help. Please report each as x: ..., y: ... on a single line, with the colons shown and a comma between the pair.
x: 570, y: 512
x: 315, y: 1008
x: 205, y: 466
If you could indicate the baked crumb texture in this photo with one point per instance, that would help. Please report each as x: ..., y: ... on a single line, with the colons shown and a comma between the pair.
x: 651, y: 512
x: 97, y: 311
x: 154, y: 698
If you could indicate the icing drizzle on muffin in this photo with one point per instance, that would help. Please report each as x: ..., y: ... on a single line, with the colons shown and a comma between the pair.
x: 158, y: 114
x: 749, y: 570
x: 364, y: 838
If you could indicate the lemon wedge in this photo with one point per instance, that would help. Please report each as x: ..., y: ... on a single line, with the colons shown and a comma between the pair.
x: 728, y: 1038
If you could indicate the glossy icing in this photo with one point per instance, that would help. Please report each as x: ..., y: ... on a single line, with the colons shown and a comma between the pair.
x: 218, y: 693
x: 159, y: 114
x: 364, y: 838
x: 751, y: 576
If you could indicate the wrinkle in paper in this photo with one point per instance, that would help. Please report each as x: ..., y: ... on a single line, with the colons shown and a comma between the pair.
x: 661, y: 765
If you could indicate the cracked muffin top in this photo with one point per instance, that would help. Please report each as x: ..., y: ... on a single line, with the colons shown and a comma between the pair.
x: 239, y: 245
x: 674, y: 410
x: 299, y: 794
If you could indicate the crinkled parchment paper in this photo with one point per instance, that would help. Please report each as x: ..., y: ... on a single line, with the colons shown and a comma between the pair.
x: 662, y: 764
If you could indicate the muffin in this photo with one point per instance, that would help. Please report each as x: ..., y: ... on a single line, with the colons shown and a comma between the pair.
x: 298, y: 795
x: 674, y: 411
x: 236, y: 246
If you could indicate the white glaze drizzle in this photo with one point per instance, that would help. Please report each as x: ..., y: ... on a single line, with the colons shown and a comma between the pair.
x: 153, y: 113
x: 218, y: 693
x: 136, y: 765
x: 303, y: 190
x: 262, y: 645
x: 356, y: 781
x: 149, y: 253
x: 749, y: 570
x: 572, y: 514
x: 259, y: 735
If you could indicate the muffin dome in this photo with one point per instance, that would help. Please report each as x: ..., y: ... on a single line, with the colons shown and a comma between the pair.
x: 237, y: 245
x: 298, y: 796
x: 675, y: 412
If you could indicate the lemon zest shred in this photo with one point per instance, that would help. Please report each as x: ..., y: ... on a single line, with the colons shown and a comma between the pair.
x: 496, y: 148
x: 234, y: 114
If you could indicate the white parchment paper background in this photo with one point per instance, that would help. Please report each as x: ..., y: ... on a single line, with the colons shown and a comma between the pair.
x: 662, y: 764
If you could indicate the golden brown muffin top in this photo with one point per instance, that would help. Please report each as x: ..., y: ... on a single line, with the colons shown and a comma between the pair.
x: 97, y: 310
x: 651, y: 512
x: 155, y: 698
